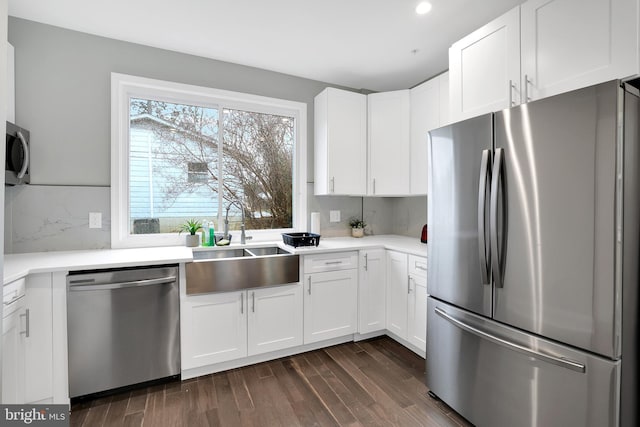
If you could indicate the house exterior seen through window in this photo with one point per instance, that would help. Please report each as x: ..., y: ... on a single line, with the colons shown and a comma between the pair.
x: 188, y: 161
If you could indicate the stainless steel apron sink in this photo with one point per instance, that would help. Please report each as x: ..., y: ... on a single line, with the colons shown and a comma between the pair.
x: 223, y: 270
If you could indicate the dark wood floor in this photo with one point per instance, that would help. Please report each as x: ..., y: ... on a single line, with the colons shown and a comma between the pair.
x: 371, y: 383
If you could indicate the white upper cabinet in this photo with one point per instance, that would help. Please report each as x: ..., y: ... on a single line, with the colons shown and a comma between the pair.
x: 484, y: 68
x: 340, y: 143
x: 445, y: 104
x: 542, y: 48
x: 429, y: 110
x: 568, y: 44
x: 11, y: 84
x: 389, y: 142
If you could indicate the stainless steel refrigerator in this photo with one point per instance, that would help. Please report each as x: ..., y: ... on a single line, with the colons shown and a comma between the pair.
x: 533, y: 261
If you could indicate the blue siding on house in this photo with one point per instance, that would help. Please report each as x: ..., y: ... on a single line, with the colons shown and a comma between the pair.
x: 149, y: 177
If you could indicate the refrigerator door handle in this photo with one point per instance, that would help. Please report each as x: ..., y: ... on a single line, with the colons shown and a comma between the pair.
x: 497, y: 180
x: 485, y: 177
x: 556, y: 360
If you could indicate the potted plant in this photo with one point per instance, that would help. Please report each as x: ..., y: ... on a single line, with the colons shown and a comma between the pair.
x: 191, y: 226
x: 357, y: 227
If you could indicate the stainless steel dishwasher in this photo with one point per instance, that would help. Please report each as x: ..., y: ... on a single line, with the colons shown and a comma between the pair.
x: 123, y: 327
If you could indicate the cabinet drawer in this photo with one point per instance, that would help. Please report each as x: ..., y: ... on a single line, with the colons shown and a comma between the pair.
x: 12, y: 293
x: 418, y: 265
x: 330, y: 262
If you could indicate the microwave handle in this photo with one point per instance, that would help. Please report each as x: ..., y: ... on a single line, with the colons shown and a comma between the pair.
x: 25, y: 164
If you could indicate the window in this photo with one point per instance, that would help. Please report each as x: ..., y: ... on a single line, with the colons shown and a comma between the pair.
x: 198, y: 173
x: 181, y: 152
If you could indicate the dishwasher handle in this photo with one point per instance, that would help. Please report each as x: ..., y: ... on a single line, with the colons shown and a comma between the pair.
x: 122, y: 285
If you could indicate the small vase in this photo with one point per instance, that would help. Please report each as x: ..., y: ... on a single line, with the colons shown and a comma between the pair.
x: 192, y: 240
x: 357, y: 232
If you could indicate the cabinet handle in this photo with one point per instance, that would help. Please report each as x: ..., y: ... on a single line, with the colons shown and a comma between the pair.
x: 511, y: 87
x: 332, y: 262
x: 253, y: 302
x: 26, y: 316
x: 366, y: 262
x: 14, y: 299
x: 333, y: 184
x: 309, y: 285
x: 241, y: 303
x: 408, y: 284
x: 420, y: 266
x: 527, y: 82
x: 374, y: 186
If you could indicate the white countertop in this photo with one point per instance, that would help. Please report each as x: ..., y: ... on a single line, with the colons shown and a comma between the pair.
x: 17, y: 266
x: 409, y: 245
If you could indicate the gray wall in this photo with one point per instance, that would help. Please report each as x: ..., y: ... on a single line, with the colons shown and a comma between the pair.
x: 63, y: 94
x: 63, y: 98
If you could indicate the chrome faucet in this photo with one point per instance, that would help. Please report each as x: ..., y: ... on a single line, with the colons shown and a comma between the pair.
x: 226, y: 223
x: 243, y: 236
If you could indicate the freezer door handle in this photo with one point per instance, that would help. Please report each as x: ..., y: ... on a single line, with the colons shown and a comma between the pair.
x: 485, y: 178
x: 556, y: 360
x: 498, y: 180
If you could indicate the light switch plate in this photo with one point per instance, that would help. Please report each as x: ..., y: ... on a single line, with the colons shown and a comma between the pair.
x: 95, y: 219
x: 334, y: 216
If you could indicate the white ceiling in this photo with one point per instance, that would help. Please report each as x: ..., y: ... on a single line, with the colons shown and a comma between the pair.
x: 372, y: 44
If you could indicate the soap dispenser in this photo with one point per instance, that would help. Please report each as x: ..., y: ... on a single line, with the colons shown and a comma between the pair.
x: 205, y: 233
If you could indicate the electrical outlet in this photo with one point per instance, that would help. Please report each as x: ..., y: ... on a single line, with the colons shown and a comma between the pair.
x: 95, y: 219
x: 334, y: 216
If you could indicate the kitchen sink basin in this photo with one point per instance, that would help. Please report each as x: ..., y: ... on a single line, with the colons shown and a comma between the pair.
x: 268, y: 250
x: 220, y: 253
x: 223, y: 270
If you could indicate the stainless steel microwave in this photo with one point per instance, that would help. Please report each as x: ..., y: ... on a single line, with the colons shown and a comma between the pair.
x: 16, y: 164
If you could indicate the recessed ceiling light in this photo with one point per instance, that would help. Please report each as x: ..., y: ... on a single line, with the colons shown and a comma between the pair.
x: 423, y: 7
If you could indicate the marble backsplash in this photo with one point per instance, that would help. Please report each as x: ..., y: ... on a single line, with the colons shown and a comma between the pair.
x: 42, y: 218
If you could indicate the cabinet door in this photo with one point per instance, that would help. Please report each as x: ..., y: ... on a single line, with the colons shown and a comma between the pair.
x: 275, y: 318
x: 568, y: 44
x: 372, y: 291
x: 330, y: 305
x: 11, y: 84
x: 425, y: 115
x: 484, y: 68
x: 417, y: 318
x: 13, y: 370
x: 397, y: 293
x: 445, y: 104
x: 39, y: 343
x: 340, y: 144
x: 389, y: 140
x: 213, y: 328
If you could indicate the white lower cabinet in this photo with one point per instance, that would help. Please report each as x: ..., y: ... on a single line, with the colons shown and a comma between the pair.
x: 397, y: 293
x: 213, y: 328
x: 13, y: 343
x: 39, y: 342
x: 372, y: 291
x: 417, y: 314
x: 27, y: 342
x: 275, y: 318
x: 225, y: 326
x: 330, y: 297
x: 407, y: 298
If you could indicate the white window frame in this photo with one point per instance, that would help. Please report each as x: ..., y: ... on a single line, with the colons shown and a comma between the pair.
x: 124, y: 87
